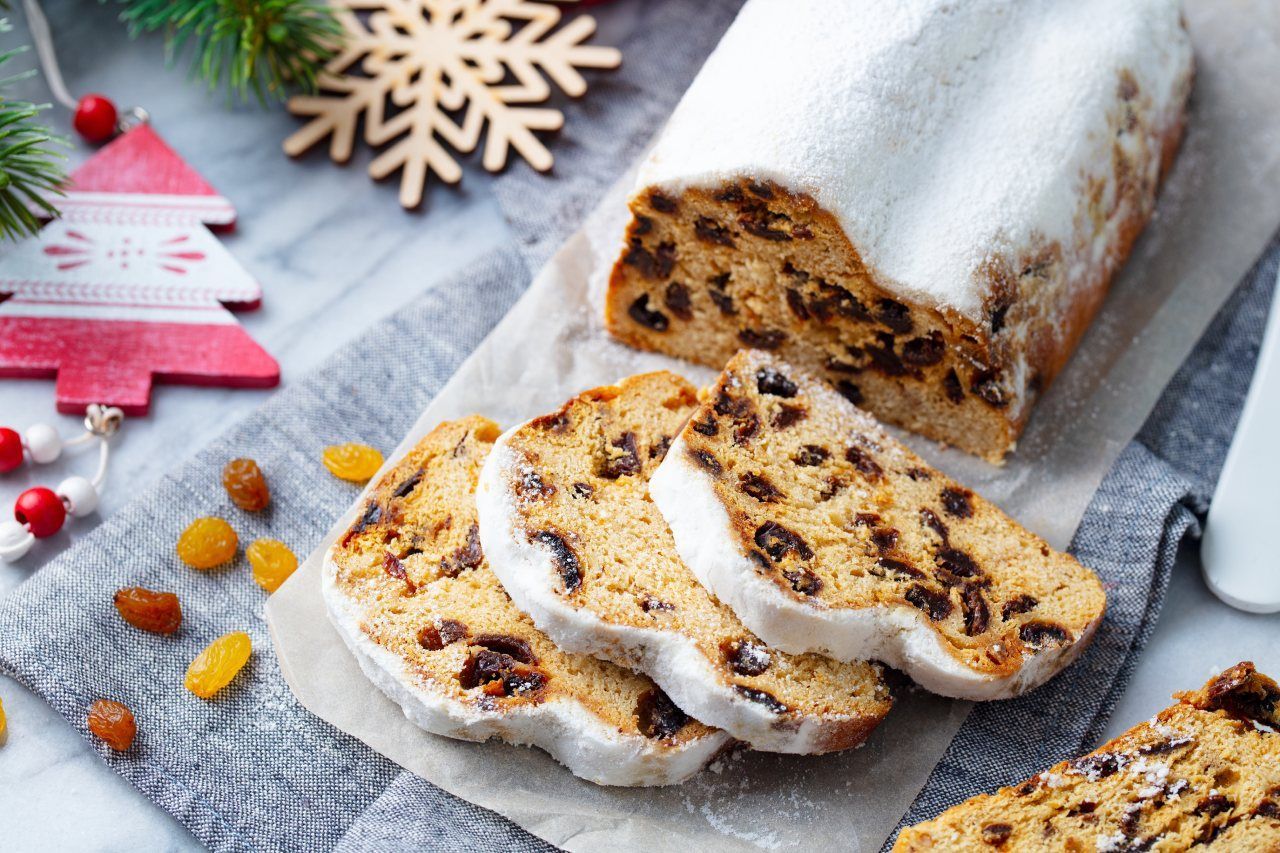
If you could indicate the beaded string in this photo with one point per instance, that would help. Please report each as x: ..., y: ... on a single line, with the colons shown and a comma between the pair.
x: 39, y: 511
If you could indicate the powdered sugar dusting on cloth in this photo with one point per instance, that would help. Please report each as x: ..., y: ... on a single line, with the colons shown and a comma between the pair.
x: 939, y: 134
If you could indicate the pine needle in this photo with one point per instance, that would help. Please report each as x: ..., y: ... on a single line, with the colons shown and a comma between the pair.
x: 30, y: 169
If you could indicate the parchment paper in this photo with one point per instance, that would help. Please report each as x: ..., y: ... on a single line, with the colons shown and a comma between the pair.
x: 1220, y: 204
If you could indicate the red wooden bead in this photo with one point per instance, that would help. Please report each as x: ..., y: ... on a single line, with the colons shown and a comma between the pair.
x: 10, y: 449
x: 95, y: 118
x: 42, y: 510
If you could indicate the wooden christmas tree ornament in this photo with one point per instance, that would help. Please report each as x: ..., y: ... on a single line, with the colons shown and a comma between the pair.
x: 430, y: 73
x: 128, y: 285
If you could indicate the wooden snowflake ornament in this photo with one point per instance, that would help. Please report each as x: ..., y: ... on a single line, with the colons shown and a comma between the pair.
x: 451, y: 71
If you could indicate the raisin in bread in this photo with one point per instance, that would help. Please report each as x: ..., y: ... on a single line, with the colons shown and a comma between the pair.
x: 567, y: 523
x: 411, y: 593
x: 923, y: 201
x: 825, y: 534
x: 1203, y: 774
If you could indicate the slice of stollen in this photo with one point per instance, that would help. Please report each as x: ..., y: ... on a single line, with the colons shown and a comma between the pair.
x: 825, y: 534
x: 410, y: 592
x: 567, y: 524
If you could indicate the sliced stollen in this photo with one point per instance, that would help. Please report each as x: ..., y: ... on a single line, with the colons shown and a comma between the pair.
x: 824, y: 534
x: 410, y: 592
x: 567, y: 524
x: 1203, y: 774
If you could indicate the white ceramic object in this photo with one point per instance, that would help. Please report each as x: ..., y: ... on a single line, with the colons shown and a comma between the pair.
x: 1240, y: 558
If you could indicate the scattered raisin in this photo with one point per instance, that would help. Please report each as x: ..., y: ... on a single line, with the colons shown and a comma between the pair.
x: 642, y: 226
x: 795, y: 301
x: 745, y: 428
x: 918, y: 474
x: 951, y: 384
x: 157, y: 612
x: 862, y: 461
x: 935, y: 604
x: 468, y: 556
x: 958, y: 563
x: 804, y: 581
x: 986, y: 384
x: 787, y: 415
x: 899, y: 567
x: 554, y: 422
x: 436, y: 637
x: 625, y: 463
x: 649, y: 604
x: 777, y: 541
x: 353, y: 462
x: 923, y: 352
x: 710, y: 231
x: 243, y: 480
x: 930, y: 519
x: 724, y: 302
x: 957, y: 502
x: 583, y: 490
x: 707, y: 460
x: 1039, y: 634
x: 759, y: 487
x: 895, y: 315
x: 113, y: 724
x: 662, y: 203
x: 678, y: 301
x: 564, y: 557
x: 770, y: 381
x: 272, y: 563
x: 850, y: 392
x: 657, y: 716
x: 996, y: 834
x: 746, y: 656
x: 1019, y: 604
x: 404, y: 489
x: 977, y: 616
x: 392, y: 566
x: 760, y: 697
x: 766, y: 339
x: 707, y: 426
x: 512, y: 647
x: 214, y: 667
x: 207, y: 542
x: 646, y: 316
x: 372, y: 515
x: 500, y: 674
x: 883, y: 358
x: 764, y: 191
x: 885, y: 539
x: 1214, y: 804
x: 998, y: 316
x: 811, y: 455
x: 866, y: 519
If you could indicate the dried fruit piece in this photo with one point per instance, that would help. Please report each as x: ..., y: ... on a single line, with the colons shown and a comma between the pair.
x: 351, y: 461
x: 207, y: 542
x: 243, y: 480
x: 272, y: 563
x: 4, y: 726
x: 214, y: 667
x: 157, y: 612
x: 113, y: 723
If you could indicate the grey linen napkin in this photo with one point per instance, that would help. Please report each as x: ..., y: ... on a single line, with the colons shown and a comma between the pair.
x: 256, y: 771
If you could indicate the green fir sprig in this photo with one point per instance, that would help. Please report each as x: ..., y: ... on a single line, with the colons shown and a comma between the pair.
x: 30, y: 166
x: 261, y: 48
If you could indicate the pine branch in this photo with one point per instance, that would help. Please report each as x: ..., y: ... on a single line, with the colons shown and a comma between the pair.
x: 30, y: 169
x: 258, y: 47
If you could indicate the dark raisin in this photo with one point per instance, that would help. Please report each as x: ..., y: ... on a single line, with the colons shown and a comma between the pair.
x: 770, y: 381
x: 864, y: 463
x: 787, y: 415
x: 760, y: 697
x: 565, y: 558
x: 849, y: 391
x: 530, y: 486
x: 555, y: 422
x: 930, y: 519
x: 583, y: 490
x: 764, y: 191
x: 977, y: 616
x: 802, y: 232
x: 766, y: 339
x: 746, y: 657
x: 777, y: 541
x: 804, y: 582
x: 918, y: 474
x: 867, y: 519
x: 1097, y: 766
x: 646, y: 316
x: 923, y: 352
x: 998, y: 316
x: 759, y: 487
x: 883, y: 358
x: 643, y: 225
x: 724, y: 302
x: 706, y: 426
x: 1082, y: 807
x: 372, y: 515
x: 842, y: 301
x: 1241, y: 694
x: 1020, y: 604
x: 486, y: 667
x: 408, y: 485
x: 789, y: 269
x: 996, y: 834
x: 469, y: 556
x: 707, y: 460
x: 642, y: 259
x: 951, y: 384
x: 795, y: 301
x: 831, y: 487
x: 1037, y: 634
x: 678, y: 302
x: 958, y: 563
x: 662, y: 203
x: 986, y: 384
x: 658, y: 450
x: 649, y: 604
x: 895, y: 315
x: 392, y: 566
x: 624, y: 464
x: 729, y: 194
x: 958, y: 502
x: 436, y: 637
x: 1267, y: 807
x: 1214, y: 804
x: 745, y: 428
x: 885, y: 539
x: 810, y: 455
x: 760, y: 221
x: 512, y: 647
x: 835, y: 365
x: 720, y: 281
x: 710, y: 231
x: 657, y: 716
x: 899, y: 567
x: 935, y: 604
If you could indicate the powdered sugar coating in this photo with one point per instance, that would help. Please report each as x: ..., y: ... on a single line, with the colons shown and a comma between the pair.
x: 939, y: 134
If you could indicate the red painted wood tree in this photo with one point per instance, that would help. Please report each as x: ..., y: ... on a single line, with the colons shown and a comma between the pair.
x: 129, y: 286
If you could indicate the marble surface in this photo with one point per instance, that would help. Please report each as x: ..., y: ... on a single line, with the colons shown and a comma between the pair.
x: 334, y: 253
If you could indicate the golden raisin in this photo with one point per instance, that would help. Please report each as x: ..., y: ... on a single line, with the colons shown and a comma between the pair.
x: 207, y: 542
x: 113, y: 723
x: 214, y: 667
x: 354, y: 462
x: 243, y: 480
x: 4, y: 726
x: 157, y: 612
x: 272, y: 563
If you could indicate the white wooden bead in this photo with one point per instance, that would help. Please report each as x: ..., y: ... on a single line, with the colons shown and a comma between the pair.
x: 43, y: 443
x: 15, y: 541
x: 80, y: 495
